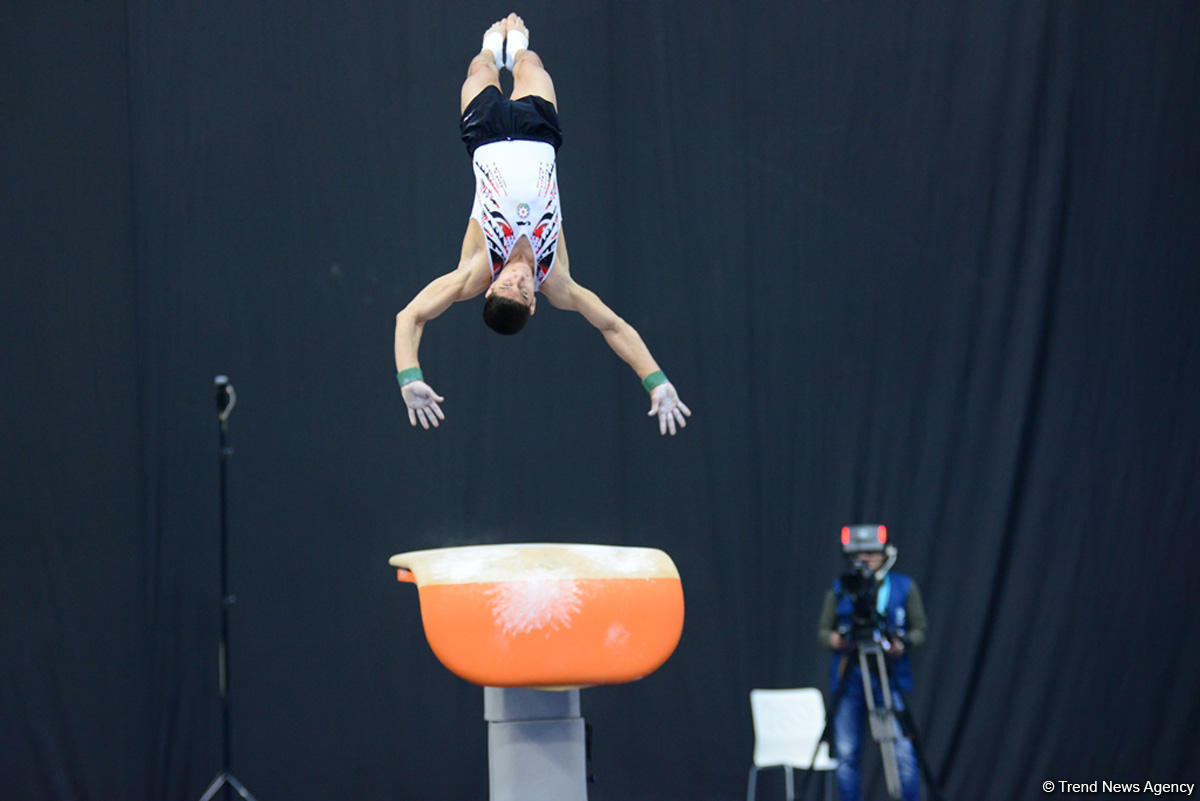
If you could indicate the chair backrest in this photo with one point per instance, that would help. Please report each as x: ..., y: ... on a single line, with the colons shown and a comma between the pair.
x: 787, y: 725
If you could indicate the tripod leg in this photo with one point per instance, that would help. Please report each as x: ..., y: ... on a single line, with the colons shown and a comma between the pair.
x: 216, y: 785
x: 241, y: 790
x: 839, y: 692
x: 884, y: 728
x: 891, y: 767
x: 909, y: 727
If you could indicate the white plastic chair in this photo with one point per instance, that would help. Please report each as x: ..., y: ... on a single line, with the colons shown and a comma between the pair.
x: 787, y: 725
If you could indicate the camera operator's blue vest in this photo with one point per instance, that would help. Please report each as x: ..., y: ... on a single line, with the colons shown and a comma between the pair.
x: 896, y: 620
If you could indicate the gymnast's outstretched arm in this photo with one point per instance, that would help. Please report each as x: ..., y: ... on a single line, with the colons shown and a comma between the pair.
x: 469, y: 279
x: 564, y: 293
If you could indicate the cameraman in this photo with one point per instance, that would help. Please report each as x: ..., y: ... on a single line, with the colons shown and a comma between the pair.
x: 897, y: 618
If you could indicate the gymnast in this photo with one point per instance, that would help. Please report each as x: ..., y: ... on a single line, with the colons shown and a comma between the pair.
x: 514, y: 245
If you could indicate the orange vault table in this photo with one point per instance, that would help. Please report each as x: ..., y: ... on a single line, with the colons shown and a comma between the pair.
x: 534, y: 622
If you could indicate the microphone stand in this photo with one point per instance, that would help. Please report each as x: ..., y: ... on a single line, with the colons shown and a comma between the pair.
x: 226, y: 400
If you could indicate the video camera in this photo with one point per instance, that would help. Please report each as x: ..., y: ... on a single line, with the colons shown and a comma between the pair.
x: 861, y: 582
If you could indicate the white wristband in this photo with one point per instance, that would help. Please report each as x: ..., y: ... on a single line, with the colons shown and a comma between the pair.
x: 494, y: 41
x: 517, y: 42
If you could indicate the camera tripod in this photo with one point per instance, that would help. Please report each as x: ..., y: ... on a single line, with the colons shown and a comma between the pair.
x: 885, y: 719
x: 885, y: 728
x: 226, y: 400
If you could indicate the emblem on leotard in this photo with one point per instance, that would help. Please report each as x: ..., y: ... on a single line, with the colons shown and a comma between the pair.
x: 522, y: 210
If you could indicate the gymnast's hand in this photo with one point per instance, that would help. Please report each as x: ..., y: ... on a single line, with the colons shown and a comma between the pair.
x: 422, y: 403
x: 671, y: 411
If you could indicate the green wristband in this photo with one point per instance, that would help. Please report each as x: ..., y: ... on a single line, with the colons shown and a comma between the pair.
x: 410, y: 375
x: 653, y: 380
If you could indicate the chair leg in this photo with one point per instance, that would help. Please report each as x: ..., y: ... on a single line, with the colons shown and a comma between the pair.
x: 789, y: 783
x: 753, y: 783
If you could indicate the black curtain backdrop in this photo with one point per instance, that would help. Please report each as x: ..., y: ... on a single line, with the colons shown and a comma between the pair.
x: 935, y: 265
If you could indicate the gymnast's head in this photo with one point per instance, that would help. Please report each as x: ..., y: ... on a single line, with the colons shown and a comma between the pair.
x: 510, y: 300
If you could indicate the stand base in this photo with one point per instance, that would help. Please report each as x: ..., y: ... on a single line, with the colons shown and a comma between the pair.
x: 220, y: 781
x: 536, y: 746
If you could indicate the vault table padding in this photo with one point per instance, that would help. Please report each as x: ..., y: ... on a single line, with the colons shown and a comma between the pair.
x: 548, y: 615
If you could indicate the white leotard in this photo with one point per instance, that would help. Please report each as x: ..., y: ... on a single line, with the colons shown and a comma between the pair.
x: 516, y: 195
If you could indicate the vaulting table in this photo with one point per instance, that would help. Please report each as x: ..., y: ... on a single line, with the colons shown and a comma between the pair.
x: 533, y: 623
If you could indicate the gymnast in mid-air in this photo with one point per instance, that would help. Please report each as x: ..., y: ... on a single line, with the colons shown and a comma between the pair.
x: 514, y: 245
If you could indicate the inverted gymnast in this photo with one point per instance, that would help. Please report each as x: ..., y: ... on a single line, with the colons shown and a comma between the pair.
x: 514, y: 245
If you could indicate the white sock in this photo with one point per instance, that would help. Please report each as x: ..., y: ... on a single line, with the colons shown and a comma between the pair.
x: 494, y: 41
x: 517, y: 42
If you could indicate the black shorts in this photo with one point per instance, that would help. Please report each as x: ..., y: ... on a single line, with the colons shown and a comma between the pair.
x: 492, y: 117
